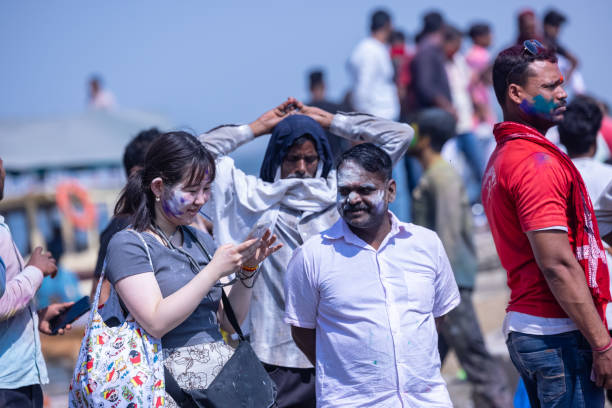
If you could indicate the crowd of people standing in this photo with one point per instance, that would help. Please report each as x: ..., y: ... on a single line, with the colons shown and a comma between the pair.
x: 346, y: 304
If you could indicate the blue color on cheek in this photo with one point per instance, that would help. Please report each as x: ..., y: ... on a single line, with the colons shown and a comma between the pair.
x: 540, y: 106
x: 170, y: 206
x: 526, y: 107
x: 167, y: 208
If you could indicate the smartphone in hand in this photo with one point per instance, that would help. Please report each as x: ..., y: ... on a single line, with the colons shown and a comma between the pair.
x: 69, y: 315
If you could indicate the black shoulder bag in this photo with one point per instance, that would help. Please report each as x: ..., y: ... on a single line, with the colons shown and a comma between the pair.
x: 242, y: 382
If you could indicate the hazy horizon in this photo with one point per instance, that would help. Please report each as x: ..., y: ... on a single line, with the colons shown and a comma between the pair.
x: 203, y: 65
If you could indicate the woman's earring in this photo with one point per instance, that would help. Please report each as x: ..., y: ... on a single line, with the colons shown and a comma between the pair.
x: 156, y: 198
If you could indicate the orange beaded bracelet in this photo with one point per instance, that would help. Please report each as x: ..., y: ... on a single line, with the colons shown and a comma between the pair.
x: 249, y: 268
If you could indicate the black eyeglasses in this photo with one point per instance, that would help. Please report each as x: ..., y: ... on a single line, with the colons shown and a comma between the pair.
x: 533, y: 47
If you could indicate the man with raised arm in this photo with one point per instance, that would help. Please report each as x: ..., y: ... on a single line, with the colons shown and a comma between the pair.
x: 295, y: 198
x: 546, y: 236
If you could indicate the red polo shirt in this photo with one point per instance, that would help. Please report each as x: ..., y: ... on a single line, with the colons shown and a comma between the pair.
x: 525, y: 188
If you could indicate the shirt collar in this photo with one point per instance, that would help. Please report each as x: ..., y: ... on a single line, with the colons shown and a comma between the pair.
x: 503, y: 130
x: 341, y: 230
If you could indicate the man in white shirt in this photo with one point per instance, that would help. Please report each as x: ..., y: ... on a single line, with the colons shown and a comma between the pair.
x: 370, y: 65
x: 363, y: 297
x: 459, y: 76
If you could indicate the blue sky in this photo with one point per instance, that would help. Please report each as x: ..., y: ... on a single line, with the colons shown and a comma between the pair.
x: 202, y: 63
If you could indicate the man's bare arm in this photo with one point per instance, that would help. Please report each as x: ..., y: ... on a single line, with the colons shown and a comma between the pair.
x: 567, y: 282
x: 305, y: 339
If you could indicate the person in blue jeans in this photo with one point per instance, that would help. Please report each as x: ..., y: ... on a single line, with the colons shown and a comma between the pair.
x: 544, y: 229
x: 555, y: 369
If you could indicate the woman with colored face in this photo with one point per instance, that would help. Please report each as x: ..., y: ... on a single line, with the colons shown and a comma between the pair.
x: 183, y: 202
x: 160, y: 267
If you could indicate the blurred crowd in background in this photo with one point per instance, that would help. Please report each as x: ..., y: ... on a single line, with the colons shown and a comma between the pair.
x: 394, y: 75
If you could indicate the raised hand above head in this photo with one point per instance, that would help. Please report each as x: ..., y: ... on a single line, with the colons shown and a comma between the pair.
x: 321, y: 116
x: 266, y: 122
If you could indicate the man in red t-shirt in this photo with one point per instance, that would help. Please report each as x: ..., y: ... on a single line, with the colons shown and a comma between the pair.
x: 545, y: 235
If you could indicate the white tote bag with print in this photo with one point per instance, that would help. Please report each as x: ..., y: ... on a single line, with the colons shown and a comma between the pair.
x: 119, y: 367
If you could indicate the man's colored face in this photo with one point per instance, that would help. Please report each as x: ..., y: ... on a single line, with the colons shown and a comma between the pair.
x: 544, y: 98
x: 301, y: 161
x: 363, y: 197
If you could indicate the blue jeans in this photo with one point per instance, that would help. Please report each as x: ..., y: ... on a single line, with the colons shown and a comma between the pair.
x: 556, y: 369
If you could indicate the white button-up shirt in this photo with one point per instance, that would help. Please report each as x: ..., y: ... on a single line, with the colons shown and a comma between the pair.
x: 373, y: 311
x: 374, y: 89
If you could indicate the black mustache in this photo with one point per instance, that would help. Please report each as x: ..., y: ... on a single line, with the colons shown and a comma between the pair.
x: 349, y: 208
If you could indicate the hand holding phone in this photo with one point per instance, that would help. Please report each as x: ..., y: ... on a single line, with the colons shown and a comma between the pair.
x: 68, y: 315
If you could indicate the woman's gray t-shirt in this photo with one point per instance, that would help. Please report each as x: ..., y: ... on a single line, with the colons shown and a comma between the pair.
x: 127, y: 256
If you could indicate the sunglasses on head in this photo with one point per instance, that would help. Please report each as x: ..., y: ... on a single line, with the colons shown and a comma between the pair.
x: 534, y: 47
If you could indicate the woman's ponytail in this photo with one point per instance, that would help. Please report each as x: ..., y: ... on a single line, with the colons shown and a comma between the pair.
x: 136, y: 200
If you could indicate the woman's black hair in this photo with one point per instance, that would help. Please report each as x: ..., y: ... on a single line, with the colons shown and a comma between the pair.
x: 173, y: 156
